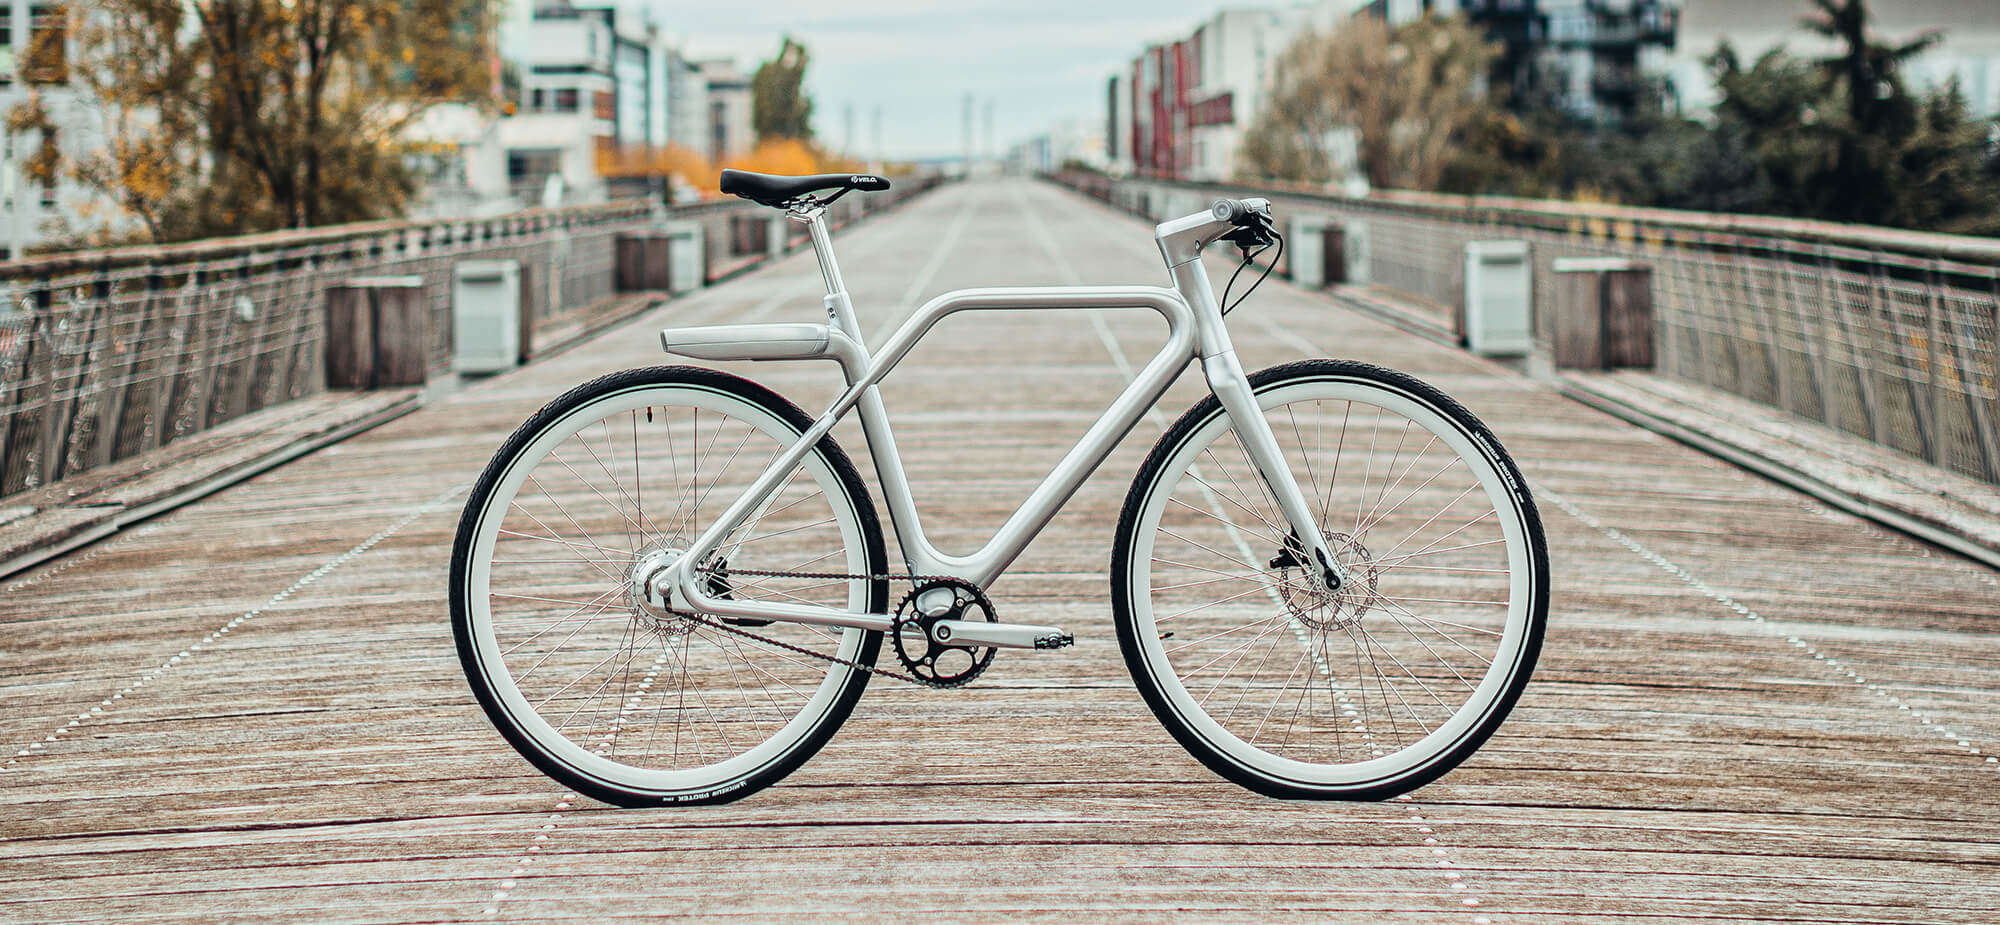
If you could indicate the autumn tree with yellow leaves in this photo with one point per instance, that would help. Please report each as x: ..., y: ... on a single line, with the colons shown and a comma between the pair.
x: 236, y: 116
x: 1407, y: 96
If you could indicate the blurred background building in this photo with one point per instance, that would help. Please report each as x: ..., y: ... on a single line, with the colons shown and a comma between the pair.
x: 1179, y: 108
x: 577, y: 83
x: 598, y: 81
x: 34, y: 60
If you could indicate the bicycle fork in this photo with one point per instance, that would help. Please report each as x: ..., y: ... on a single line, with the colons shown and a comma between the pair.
x: 1181, y: 241
x: 1232, y: 388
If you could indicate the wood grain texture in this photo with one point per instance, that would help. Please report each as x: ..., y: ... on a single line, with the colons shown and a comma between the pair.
x: 1750, y: 707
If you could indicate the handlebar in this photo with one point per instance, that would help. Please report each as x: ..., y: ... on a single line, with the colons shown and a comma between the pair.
x: 1241, y: 211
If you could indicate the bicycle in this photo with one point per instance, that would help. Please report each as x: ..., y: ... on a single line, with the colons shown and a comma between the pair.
x: 670, y: 585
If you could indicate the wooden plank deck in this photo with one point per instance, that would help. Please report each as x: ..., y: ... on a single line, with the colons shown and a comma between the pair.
x: 1750, y: 707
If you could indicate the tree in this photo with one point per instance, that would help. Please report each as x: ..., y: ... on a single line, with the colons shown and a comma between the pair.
x: 1769, y: 147
x: 235, y: 116
x: 779, y: 106
x: 1405, y: 99
x: 1875, y: 116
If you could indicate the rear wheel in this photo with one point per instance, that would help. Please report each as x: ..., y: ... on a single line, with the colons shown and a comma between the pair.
x: 603, y: 485
x: 1359, y: 694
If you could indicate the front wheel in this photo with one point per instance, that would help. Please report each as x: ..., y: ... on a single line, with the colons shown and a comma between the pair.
x: 1363, y: 693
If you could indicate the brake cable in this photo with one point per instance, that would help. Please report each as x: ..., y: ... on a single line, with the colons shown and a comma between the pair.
x: 1250, y: 257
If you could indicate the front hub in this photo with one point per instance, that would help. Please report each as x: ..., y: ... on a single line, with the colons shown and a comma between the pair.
x: 1313, y: 603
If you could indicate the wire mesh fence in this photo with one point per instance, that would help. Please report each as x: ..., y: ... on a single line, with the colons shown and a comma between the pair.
x: 1886, y: 334
x: 108, y: 354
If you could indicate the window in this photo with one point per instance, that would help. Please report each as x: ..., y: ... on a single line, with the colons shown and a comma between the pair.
x: 50, y: 145
x: 529, y: 169
x: 718, y: 130
x: 565, y: 100
x: 46, y: 60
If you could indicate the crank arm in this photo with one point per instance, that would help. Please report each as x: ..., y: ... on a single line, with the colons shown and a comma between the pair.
x: 1000, y: 635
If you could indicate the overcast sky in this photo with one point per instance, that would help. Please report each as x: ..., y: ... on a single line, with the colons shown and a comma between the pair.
x: 1039, y: 61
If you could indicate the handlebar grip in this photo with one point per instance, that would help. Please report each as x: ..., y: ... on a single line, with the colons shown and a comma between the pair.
x: 1236, y: 211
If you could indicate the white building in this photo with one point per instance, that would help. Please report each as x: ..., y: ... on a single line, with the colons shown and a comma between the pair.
x: 729, y: 132
x: 687, y: 104
x: 586, y: 85
x: 32, y: 210
x: 1236, y: 53
x: 600, y: 81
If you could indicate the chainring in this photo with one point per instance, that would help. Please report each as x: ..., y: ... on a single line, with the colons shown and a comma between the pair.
x: 934, y: 663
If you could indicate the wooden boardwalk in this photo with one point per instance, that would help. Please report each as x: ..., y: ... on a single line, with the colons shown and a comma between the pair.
x: 1749, y: 708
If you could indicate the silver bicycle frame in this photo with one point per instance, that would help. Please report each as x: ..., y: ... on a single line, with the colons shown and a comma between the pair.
x: 1194, y: 330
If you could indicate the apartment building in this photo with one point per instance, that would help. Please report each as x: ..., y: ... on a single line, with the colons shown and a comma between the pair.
x: 1180, y: 108
x: 728, y: 132
x: 594, y: 78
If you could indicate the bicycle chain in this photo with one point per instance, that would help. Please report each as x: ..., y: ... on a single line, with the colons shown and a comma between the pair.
x: 842, y: 576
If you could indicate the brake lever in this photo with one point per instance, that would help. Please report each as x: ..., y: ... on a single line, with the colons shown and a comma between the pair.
x: 1253, y: 235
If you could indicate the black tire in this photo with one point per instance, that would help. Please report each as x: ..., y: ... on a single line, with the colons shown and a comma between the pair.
x: 855, y: 494
x: 1231, y: 766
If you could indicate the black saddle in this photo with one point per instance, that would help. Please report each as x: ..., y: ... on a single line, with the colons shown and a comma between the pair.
x: 779, y: 191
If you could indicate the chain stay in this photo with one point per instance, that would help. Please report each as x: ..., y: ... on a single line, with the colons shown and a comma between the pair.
x: 835, y: 659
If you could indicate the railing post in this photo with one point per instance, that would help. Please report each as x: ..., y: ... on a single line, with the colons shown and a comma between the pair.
x: 1965, y: 371
x: 377, y: 333
x: 1602, y: 314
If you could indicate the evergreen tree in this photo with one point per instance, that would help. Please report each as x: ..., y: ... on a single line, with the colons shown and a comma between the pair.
x: 1875, y: 117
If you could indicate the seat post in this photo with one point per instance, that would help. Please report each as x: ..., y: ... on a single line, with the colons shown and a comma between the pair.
x: 822, y: 242
x: 839, y: 309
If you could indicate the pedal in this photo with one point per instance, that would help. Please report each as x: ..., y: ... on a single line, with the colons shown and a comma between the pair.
x: 1000, y: 635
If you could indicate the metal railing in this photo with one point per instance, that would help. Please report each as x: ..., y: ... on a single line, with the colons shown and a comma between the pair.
x: 1887, y: 334
x: 107, y: 354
